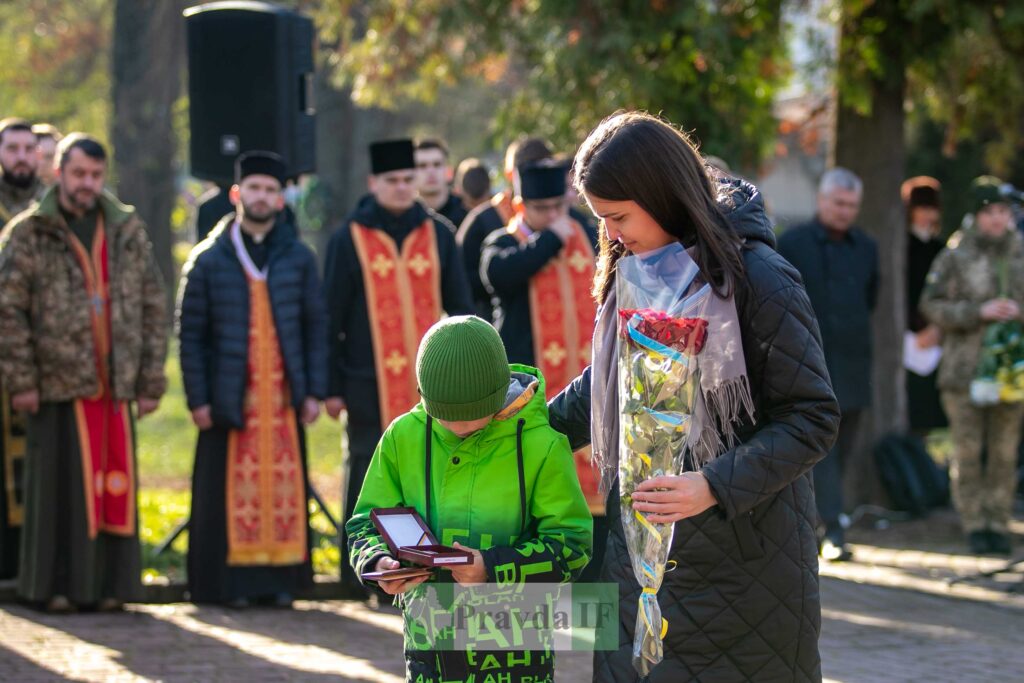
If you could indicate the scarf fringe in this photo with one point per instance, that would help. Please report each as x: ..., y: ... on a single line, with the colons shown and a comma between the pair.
x: 726, y: 406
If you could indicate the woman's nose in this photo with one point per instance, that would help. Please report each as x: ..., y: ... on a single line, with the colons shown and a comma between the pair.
x: 611, y: 233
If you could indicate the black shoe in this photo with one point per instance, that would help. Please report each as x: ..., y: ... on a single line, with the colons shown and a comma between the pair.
x: 110, y: 605
x: 835, y: 551
x: 282, y: 601
x: 237, y: 603
x: 59, y: 604
x: 979, y: 542
x: 998, y: 543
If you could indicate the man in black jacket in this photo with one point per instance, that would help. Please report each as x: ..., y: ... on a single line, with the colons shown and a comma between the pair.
x: 434, y: 175
x: 839, y: 266
x: 253, y: 356
x: 392, y: 270
x: 542, y: 239
x: 494, y: 215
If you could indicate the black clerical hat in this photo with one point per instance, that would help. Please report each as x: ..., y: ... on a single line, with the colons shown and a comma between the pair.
x: 391, y: 155
x: 541, y: 180
x: 921, y: 190
x: 260, y: 163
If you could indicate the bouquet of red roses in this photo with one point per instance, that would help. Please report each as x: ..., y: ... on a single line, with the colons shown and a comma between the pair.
x: 661, y: 333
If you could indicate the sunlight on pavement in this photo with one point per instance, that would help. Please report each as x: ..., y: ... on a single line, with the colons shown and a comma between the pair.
x: 79, y: 660
x: 904, y: 627
x: 356, y: 611
x: 307, y: 658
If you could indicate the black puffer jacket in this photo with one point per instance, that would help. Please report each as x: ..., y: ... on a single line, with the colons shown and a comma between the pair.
x: 213, y: 321
x: 742, y: 603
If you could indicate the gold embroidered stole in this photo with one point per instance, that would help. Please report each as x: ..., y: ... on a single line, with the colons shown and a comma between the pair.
x: 103, y: 422
x: 266, y: 490
x: 403, y: 298
x: 562, y: 313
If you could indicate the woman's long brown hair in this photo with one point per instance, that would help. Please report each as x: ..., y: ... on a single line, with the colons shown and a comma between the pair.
x: 637, y: 157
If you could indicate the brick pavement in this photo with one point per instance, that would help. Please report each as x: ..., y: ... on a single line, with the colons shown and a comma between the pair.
x: 870, y: 634
x: 888, y: 617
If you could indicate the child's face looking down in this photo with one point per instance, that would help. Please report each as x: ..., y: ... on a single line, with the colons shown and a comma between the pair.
x: 466, y: 427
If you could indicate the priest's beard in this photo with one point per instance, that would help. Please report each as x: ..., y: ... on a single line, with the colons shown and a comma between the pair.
x: 21, y: 176
x: 259, y: 212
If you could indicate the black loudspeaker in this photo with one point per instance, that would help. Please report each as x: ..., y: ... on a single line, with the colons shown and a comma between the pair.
x: 250, y: 86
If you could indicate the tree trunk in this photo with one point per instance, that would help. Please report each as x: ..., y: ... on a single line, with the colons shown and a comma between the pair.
x: 147, y: 66
x: 344, y: 133
x: 871, y: 144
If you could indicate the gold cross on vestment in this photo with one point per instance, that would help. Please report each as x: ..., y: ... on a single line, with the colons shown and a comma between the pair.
x: 578, y: 262
x: 382, y: 265
x: 419, y: 265
x: 396, y: 362
x: 555, y: 353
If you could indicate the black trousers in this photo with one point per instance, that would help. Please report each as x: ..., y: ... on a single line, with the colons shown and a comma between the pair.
x: 828, y: 474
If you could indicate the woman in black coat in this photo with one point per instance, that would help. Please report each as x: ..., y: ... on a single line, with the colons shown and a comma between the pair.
x: 742, y: 600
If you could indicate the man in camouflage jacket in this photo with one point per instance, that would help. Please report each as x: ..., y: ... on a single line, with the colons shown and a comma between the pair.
x: 19, y: 180
x: 83, y: 332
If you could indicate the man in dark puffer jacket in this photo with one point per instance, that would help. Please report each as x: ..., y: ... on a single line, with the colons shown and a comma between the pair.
x: 252, y: 326
x: 746, y: 577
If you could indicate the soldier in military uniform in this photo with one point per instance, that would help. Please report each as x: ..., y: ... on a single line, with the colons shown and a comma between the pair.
x: 19, y: 187
x: 19, y: 163
x: 977, y: 280
x: 83, y: 334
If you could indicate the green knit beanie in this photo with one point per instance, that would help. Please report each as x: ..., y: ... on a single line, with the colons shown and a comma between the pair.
x: 462, y: 370
x: 985, y: 191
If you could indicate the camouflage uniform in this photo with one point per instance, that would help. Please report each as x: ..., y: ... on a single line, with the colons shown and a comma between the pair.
x: 14, y: 200
x: 46, y: 339
x: 963, y: 277
x: 47, y: 344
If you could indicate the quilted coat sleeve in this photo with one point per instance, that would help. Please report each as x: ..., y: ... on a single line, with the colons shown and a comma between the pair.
x: 193, y: 325
x: 563, y: 541
x: 569, y: 412
x: 314, y: 323
x: 797, y: 412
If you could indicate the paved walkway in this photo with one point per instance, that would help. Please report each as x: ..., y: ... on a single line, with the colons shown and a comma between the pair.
x: 870, y: 634
x: 888, y: 617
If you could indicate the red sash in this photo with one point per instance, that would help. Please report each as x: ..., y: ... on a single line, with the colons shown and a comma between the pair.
x: 104, y: 427
x: 562, y: 312
x: 403, y: 297
x: 266, y: 492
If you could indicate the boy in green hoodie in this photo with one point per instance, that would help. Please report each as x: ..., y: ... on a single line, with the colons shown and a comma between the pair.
x: 502, y: 485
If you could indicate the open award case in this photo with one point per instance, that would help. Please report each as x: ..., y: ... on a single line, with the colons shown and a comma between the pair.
x: 409, y: 539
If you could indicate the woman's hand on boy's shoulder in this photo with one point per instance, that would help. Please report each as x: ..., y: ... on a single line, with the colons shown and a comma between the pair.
x: 396, y: 586
x: 472, y: 573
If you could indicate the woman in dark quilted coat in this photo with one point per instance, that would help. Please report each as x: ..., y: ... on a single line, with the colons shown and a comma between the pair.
x: 741, y: 603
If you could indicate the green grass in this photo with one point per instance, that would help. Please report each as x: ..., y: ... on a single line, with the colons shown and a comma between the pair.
x: 166, y: 450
